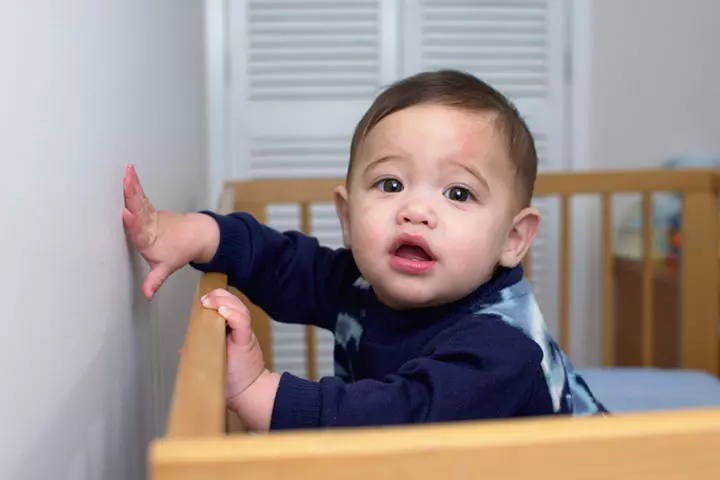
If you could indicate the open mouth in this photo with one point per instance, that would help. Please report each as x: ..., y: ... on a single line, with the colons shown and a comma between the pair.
x: 413, y: 253
x: 412, y: 248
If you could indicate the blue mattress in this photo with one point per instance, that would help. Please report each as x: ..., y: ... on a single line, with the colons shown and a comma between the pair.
x: 644, y: 389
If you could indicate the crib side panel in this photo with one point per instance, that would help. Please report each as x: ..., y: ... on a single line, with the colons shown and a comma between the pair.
x: 661, y: 446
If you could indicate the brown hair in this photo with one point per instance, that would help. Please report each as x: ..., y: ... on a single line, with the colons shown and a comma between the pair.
x: 461, y: 90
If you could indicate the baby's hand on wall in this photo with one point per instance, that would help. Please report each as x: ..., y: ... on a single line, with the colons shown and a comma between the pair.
x: 166, y: 240
x: 245, y: 362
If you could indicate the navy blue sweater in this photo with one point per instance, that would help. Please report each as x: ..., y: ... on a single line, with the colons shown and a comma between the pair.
x: 487, y: 355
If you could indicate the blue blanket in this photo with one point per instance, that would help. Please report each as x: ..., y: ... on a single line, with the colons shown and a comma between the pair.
x: 644, y: 389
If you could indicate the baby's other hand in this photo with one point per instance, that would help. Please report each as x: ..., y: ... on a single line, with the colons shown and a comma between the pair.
x: 244, y: 357
x: 166, y: 240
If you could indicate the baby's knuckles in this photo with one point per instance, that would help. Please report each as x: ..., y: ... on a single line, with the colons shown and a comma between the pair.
x: 221, y: 297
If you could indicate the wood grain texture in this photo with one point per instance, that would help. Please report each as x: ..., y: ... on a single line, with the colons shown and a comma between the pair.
x: 198, y: 401
x: 699, y: 282
x: 564, y: 290
x: 658, y: 446
x: 647, y: 281
x: 608, y: 324
x: 527, y: 265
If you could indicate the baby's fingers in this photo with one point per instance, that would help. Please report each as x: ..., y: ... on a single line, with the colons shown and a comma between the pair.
x: 219, y: 297
x: 135, y: 199
x: 228, y: 306
x: 238, y: 321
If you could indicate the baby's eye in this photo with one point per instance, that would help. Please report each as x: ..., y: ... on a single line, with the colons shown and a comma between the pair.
x: 458, y: 194
x: 389, y: 185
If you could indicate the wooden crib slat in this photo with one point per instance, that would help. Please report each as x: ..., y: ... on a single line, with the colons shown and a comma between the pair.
x: 699, y: 282
x: 648, y: 333
x: 310, y: 353
x: 527, y: 265
x: 564, y: 271
x: 608, y: 323
x: 310, y: 362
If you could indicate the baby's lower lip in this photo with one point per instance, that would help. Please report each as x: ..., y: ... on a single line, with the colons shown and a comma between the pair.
x: 413, y: 267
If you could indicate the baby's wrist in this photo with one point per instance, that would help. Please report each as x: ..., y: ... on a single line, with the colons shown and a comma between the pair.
x: 204, y: 236
x: 254, y: 405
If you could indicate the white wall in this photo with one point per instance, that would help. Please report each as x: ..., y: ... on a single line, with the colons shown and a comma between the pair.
x: 654, y: 93
x: 85, y: 87
x: 655, y: 76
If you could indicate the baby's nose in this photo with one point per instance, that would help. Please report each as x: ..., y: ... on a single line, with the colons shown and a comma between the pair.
x: 410, y: 219
x: 417, y: 214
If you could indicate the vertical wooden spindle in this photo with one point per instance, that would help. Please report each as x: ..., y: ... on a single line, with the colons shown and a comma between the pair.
x: 648, y: 334
x: 310, y: 356
x: 527, y: 265
x: 564, y: 272
x: 607, y: 282
x: 699, y: 282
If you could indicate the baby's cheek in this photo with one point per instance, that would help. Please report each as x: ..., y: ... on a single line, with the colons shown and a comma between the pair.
x: 371, y: 221
x: 369, y: 236
x: 473, y: 250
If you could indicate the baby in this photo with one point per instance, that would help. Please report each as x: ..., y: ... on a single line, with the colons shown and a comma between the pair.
x: 433, y: 321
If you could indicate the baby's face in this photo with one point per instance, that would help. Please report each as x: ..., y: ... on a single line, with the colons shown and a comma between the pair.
x: 431, y: 206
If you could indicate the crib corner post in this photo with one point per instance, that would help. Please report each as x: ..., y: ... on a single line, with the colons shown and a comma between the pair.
x: 699, y: 282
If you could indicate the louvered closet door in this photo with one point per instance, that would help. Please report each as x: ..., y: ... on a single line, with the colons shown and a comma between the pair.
x: 303, y: 73
x: 518, y: 47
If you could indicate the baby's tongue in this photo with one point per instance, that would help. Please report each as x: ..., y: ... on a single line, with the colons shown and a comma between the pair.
x: 412, y: 252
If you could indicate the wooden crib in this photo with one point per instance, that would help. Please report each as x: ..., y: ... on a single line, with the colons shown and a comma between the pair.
x: 202, y: 441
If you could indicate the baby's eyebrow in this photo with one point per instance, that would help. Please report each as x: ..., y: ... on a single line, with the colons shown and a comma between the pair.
x: 383, y: 159
x: 475, y: 174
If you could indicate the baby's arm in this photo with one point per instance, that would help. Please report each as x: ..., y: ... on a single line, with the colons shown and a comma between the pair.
x: 490, y: 370
x: 289, y: 275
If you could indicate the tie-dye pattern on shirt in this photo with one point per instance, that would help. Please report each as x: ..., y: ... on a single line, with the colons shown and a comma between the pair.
x: 517, y: 306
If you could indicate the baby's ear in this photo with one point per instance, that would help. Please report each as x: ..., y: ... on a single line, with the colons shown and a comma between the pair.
x: 522, y: 233
x: 341, y: 207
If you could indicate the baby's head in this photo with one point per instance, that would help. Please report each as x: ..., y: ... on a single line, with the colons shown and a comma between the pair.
x: 437, y: 194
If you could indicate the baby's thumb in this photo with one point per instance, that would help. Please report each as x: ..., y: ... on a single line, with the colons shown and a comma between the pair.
x: 154, y: 280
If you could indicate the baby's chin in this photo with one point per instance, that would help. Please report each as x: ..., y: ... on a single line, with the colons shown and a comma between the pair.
x: 405, y: 297
x: 403, y: 292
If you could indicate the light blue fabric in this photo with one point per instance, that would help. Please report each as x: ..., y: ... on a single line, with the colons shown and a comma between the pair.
x: 644, y: 389
x: 569, y: 392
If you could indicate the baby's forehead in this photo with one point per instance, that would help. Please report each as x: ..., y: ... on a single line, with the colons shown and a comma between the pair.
x: 446, y: 147
x: 431, y: 126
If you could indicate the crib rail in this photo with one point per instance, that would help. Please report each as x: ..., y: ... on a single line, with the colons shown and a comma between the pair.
x: 698, y: 335
x: 682, y: 444
x: 658, y: 446
x: 198, y: 404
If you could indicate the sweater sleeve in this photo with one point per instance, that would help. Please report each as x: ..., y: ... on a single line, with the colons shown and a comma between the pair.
x: 288, y: 274
x: 491, y: 370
